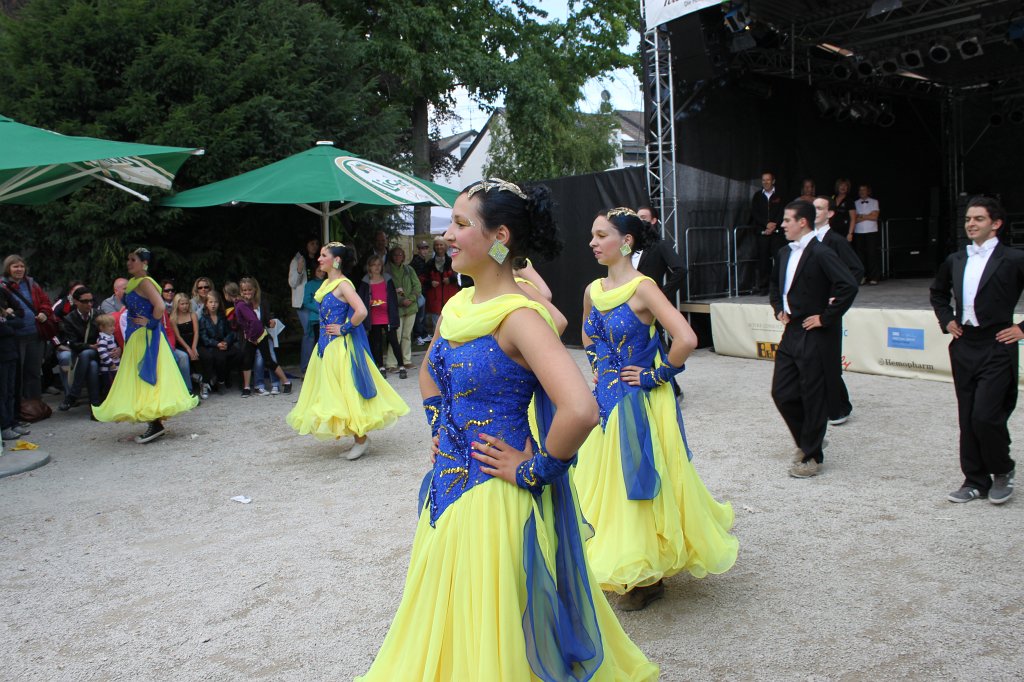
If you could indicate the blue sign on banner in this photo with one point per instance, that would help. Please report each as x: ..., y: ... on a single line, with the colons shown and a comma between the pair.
x: 910, y: 339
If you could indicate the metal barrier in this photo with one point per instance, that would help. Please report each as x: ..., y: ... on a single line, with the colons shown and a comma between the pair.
x: 691, y: 264
x: 734, y: 256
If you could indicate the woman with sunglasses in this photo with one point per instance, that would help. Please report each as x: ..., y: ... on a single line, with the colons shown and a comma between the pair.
x: 201, y: 288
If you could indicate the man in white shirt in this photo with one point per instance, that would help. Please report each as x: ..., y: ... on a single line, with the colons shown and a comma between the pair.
x: 865, y: 237
x: 810, y: 291
x: 986, y: 279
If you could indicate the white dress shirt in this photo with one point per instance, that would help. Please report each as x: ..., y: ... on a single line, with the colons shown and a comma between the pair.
x: 819, y: 233
x: 797, y: 249
x: 635, y: 258
x: 865, y: 206
x: 977, y: 258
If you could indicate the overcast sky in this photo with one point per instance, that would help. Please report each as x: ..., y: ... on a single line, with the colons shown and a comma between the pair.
x: 622, y: 85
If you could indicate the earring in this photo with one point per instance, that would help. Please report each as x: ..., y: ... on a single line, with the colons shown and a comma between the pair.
x: 498, y: 251
x: 625, y: 249
x: 336, y: 265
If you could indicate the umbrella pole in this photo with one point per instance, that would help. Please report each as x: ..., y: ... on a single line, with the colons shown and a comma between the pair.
x: 325, y: 222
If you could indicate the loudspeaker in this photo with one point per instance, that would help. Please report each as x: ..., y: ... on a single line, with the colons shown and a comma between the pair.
x: 700, y: 50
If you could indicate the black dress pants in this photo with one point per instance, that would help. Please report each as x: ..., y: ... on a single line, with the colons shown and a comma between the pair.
x: 985, y: 379
x: 868, y: 247
x: 837, y: 397
x: 798, y: 385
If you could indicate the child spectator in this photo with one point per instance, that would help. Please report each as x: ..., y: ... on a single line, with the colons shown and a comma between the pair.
x: 217, y: 347
x: 110, y: 352
x: 256, y: 338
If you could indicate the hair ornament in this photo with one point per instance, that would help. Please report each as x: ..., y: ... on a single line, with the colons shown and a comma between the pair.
x: 622, y: 210
x: 498, y: 184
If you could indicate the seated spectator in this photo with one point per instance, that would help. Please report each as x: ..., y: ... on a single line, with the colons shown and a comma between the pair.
x: 80, y: 334
x: 185, y: 328
x: 109, y: 352
x: 116, y: 302
x: 217, y: 348
x: 180, y: 356
x: 201, y: 288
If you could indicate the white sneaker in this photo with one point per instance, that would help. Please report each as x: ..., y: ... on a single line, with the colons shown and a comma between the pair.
x: 259, y: 390
x: 274, y: 390
x: 358, y: 450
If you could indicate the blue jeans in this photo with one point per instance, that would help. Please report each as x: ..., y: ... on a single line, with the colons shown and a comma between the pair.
x: 259, y: 371
x: 419, y: 326
x: 308, y: 342
x: 181, y: 357
x: 87, y: 371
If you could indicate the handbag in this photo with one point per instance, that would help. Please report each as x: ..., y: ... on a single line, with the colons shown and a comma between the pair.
x: 34, y: 410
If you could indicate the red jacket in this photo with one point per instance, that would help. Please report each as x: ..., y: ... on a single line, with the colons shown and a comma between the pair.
x: 40, y: 304
x: 439, y: 295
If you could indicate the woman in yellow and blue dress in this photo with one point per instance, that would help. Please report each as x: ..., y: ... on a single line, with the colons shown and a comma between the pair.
x: 651, y: 513
x: 498, y: 587
x: 148, y: 387
x: 343, y: 393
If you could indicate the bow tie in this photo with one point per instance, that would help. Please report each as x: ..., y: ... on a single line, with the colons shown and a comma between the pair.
x: 796, y: 246
x: 975, y: 250
x: 864, y: 201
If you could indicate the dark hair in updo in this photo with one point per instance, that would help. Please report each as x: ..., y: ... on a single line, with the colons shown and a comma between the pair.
x: 531, y: 221
x: 346, y: 253
x: 644, y: 233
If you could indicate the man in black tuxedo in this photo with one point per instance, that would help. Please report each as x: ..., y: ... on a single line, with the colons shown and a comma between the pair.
x: 766, y: 215
x: 987, y: 281
x: 659, y: 261
x: 837, y: 397
x: 810, y: 291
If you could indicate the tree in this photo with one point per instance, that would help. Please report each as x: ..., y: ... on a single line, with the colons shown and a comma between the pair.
x: 251, y: 81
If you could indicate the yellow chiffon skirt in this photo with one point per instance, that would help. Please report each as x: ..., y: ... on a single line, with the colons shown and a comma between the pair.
x: 639, y: 542
x: 461, y: 614
x: 133, y: 400
x: 329, y: 405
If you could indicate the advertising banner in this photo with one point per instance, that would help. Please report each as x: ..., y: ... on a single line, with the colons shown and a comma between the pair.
x: 658, y: 12
x: 896, y: 343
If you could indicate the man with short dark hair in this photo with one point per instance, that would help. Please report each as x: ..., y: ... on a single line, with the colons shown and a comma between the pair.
x: 866, y: 238
x: 766, y: 215
x: 837, y: 397
x: 986, y: 279
x: 659, y: 260
x: 811, y: 289
x: 80, y: 335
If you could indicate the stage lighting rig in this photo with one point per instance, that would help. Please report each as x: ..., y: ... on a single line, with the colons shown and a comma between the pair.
x: 969, y: 47
x: 912, y: 58
x: 941, y: 51
x: 889, y: 65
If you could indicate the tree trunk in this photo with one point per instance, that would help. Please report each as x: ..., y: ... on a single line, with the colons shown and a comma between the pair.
x: 421, y: 159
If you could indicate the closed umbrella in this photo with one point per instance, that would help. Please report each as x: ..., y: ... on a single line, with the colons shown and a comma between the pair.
x: 37, y: 165
x: 316, y: 178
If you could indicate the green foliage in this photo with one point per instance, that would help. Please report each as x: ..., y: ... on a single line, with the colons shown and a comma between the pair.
x: 251, y: 81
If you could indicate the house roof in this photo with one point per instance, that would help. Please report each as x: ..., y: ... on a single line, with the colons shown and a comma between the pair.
x: 448, y: 145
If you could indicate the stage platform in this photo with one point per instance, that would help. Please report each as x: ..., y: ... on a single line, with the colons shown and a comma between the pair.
x: 890, y: 330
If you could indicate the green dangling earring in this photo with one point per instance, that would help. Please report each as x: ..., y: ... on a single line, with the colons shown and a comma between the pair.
x: 336, y: 265
x: 498, y: 251
x: 625, y: 250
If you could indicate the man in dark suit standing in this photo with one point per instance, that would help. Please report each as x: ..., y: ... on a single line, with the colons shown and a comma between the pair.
x: 659, y: 261
x: 837, y: 397
x: 810, y: 291
x: 766, y: 215
x: 987, y: 281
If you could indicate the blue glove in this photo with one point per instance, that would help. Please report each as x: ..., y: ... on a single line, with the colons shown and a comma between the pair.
x: 153, y: 324
x: 345, y: 328
x: 432, y: 408
x: 591, y: 352
x: 652, y: 378
x: 540, y: 470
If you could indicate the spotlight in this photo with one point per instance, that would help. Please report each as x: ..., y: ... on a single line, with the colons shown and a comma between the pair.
x: 842, y: 71
x: 996, y: 119
x: 885, y: 118
x: 888, y: 65
x: 858, y: 112
x: 827, y: 104
x: 1016, y: 116
x: 940, y: 51
x: 865, y: 69
x: 912, y: 59
x: 969, y: 47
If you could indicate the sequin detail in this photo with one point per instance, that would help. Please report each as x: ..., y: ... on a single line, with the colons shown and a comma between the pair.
x: 618, y: 334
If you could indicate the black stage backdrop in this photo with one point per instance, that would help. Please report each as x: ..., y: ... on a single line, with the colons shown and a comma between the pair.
x: 577, y: 201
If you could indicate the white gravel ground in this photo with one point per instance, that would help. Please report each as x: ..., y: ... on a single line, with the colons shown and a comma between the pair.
x: 130, y: 562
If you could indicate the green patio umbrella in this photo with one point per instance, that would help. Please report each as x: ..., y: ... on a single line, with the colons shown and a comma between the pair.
x: 315, y: 178
x: 37, y: 166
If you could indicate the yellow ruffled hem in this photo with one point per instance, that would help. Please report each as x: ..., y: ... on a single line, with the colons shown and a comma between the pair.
x: 133, y: 400
x: 329, y: 405
x: 461, y: 612
x: 639, y: 542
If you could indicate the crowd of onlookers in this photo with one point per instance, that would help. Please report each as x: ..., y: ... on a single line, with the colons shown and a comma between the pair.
x: 72, y: 344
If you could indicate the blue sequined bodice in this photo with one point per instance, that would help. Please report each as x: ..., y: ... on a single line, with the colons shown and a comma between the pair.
x: 621, y: 339
x: 482, y: 391
x: 136, y: 305
x: 333, y: 310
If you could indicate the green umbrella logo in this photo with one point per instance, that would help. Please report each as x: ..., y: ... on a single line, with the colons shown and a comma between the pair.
x: 390, y: 185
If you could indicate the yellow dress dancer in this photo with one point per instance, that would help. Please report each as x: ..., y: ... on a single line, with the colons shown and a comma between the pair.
x: 149, y: 386
x: 651, y: 513
x: 497, y: 587
x: 343, y: 393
